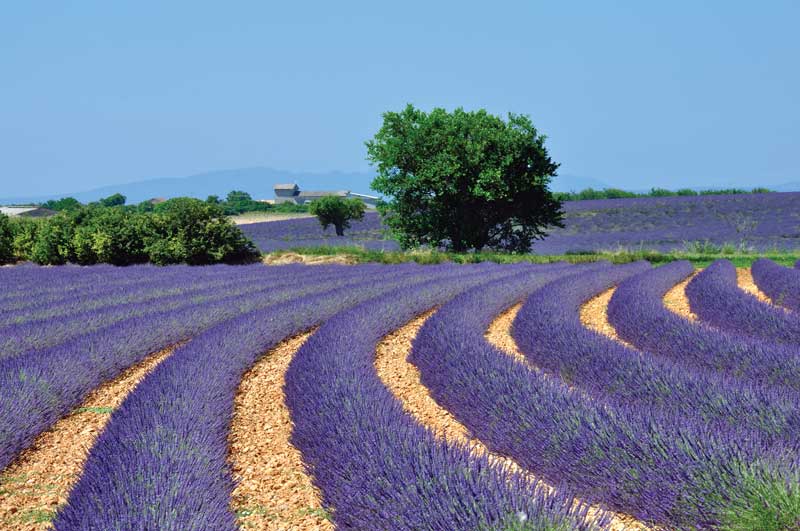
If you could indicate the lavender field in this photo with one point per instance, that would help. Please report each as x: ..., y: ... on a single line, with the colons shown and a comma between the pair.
x: 760, y: 222
x: 656, y: 418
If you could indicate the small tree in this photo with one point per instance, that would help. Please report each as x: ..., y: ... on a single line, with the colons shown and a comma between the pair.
x: 238, y: 196
x: 337, y: 211
x: 464, y: 180
x: 113, y: 200
x: 65, y: 203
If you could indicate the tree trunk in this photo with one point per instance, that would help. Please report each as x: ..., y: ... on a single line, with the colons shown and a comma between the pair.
x: 339, y: 230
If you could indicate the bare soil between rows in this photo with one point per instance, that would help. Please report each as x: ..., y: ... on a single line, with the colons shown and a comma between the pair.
x: 39, y: 480
x: 403, y: 379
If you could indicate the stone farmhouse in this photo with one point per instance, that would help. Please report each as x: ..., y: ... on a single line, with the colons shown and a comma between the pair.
x: 291, y: 193
x: 31, y: 211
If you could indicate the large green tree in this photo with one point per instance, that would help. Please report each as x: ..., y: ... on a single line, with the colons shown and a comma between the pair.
x: 464, y: 180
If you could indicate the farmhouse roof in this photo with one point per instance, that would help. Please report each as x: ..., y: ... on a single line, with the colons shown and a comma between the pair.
x: 33, y: 211
x: 341, y: 193
x: 286, y: 187
x: 364, y: 196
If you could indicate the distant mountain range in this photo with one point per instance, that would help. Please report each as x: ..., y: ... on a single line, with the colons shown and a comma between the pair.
x: 258, y: 182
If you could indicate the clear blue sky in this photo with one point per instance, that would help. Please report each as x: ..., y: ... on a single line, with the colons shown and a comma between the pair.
x: 634, y: 93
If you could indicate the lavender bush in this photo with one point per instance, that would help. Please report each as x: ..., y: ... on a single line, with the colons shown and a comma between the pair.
x: 699, y: 432
x: 613, y: 373
x: 148, y: 283
x: 748, y: 221
x: 43, y: 385
x: 44, y: 332
x: 307, y: 232
x: 637, y: 312
x: 780, y: 284
x: 682, y: 475
x: 187, y: 437
x: 716, y: 299
x: 375, y: 466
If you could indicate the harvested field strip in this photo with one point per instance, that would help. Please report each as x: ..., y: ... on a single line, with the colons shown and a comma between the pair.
x: 38, y: 481
x: 272, y: 490
x: 403, y: 380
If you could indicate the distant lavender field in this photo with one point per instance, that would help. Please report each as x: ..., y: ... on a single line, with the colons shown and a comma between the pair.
x: 759, y: 221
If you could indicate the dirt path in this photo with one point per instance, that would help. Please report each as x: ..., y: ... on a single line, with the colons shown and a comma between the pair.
x: 273, y: 492
x: 262, y: 217
x: 35, y: 484
x: 284, y: 258
x: 745, y: 281
x: 594, y: 316
x: 403, y: 380
x: 499, y: 333
x: 676, y: 301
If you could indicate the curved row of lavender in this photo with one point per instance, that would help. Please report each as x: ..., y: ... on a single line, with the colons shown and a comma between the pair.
x: 627, y: 378
x: 675, y: 472
x: 182, y: 447
x: 759, y: 221
x: 780, y: 284
x: 716, y: 298
x: 43, y: 385
x: 40, y: 333
x: 637, y: 313
x: 30, y: 285
x: 49, y: 331
x: 149, y: 283
x: 374, y: 465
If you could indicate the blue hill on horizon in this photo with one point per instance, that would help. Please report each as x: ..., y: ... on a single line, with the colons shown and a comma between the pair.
x: 258, y: 182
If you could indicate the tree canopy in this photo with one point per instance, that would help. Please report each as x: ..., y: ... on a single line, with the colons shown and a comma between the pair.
x: 337, y: 211
x: 464, y: 180
x: 113, y: 200
x: 65, y: 203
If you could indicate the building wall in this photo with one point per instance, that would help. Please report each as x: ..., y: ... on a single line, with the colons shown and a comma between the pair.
x: 294, y: 196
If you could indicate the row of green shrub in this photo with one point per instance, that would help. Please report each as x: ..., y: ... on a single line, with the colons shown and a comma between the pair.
x: 236, y: 202
x: 180, y: 230
x: 616, y: 193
